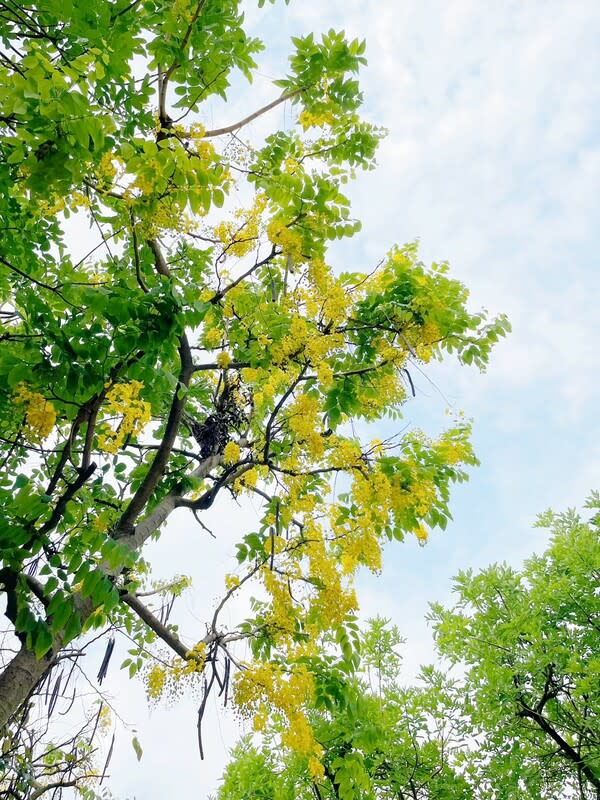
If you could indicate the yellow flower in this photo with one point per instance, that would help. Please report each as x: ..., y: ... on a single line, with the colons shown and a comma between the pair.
x: 231, y: 581
x: 213, y: 337
x: 122, y: 399
x: 289, y: 241
x: 206, y: 295
x: 223, y: 360
x: 231, y: 453
x: 155, y: 682
x: 421, y: 534
x: 196, y: 658
x: 40, y: 414
x: 249, y: 478
x: 315, y: 769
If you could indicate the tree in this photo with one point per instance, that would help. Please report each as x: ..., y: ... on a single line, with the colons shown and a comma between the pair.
x: 197, y: 349
x: 521, y: 721
x: 380, y: 739
x: 529, y: 641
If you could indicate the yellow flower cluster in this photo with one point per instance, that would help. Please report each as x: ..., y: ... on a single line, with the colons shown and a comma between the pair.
x: 195, y: 132
x: 281, y: 616
x: 123, y: 400
x: 49, y: 209
x: 223, y: 359
x: 261, y: 687
x: 231, y: 453
x: 289, y: 241
x: 213, y: 337
x: 240, y: 237
x: 195, y: 659
x: 421, y: 534
x: 332, y: 602
x: 231, y: 581
x: 155, y: 680
x: 336, y: 305
x: 40, y: 414
x: 106, y: 169
x: 105, y: 718
x: 165, y: 677
x: 249, y: 478
x: 303, y: 421
x: 430, y: 333
x: 453, y: 449
x: 309, y: 119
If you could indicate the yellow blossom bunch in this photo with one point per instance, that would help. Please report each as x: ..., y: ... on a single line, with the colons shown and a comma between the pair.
x: 122, y: 400
x: 303, y: 420
x: 289, y: 241
x: 231, y: 453
x: 310, y: 119
x: 223, y: 359
x: 40, y: 414
x: 103, y: 520
x: 453, y: 449
x: 269, y: 687
x: 231, y: 581
x: 195, y: 659
x: 79, y: 200
x: 240, y: 236
x: 155, y: 680
x: 421, y: 534
x: 248, y: 479
x: 50, y: 208
x: 107, y: 168
x: 213, y: 337
x: 105, y: 718
x: 281, y: 615
x: 166, y: 677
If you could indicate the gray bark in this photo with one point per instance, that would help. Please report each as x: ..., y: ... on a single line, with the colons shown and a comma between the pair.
x: 23, y: 673
x: 18, y: 680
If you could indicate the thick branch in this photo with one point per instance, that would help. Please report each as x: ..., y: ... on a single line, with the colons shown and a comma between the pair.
x: 18, y: 680
x: 42, y: 789
x: 144, y: 529
x: 157, y: 468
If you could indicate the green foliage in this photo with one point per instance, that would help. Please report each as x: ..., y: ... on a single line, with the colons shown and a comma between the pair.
x: 522, y: 720
x: 529, y: 641
x: 381, y: 741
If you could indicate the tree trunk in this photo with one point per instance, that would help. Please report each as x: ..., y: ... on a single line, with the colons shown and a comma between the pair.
x: 18, y: 680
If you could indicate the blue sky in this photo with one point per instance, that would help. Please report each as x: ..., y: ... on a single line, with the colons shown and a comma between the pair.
x: 493, y: 162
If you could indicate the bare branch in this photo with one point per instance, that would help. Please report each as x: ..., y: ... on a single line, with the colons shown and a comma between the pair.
x: 251, y: 117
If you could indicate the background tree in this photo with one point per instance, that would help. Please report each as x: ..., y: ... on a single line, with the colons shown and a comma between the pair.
x: 380, y: 739
x: 193, y: 349
x: 529, y: 641
x: 521, y: 721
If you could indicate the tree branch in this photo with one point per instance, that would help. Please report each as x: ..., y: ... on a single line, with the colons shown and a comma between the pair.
x: 168, y: 637
x: 157, y: 468
x: 251, y: 117
x: 566, y: 750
